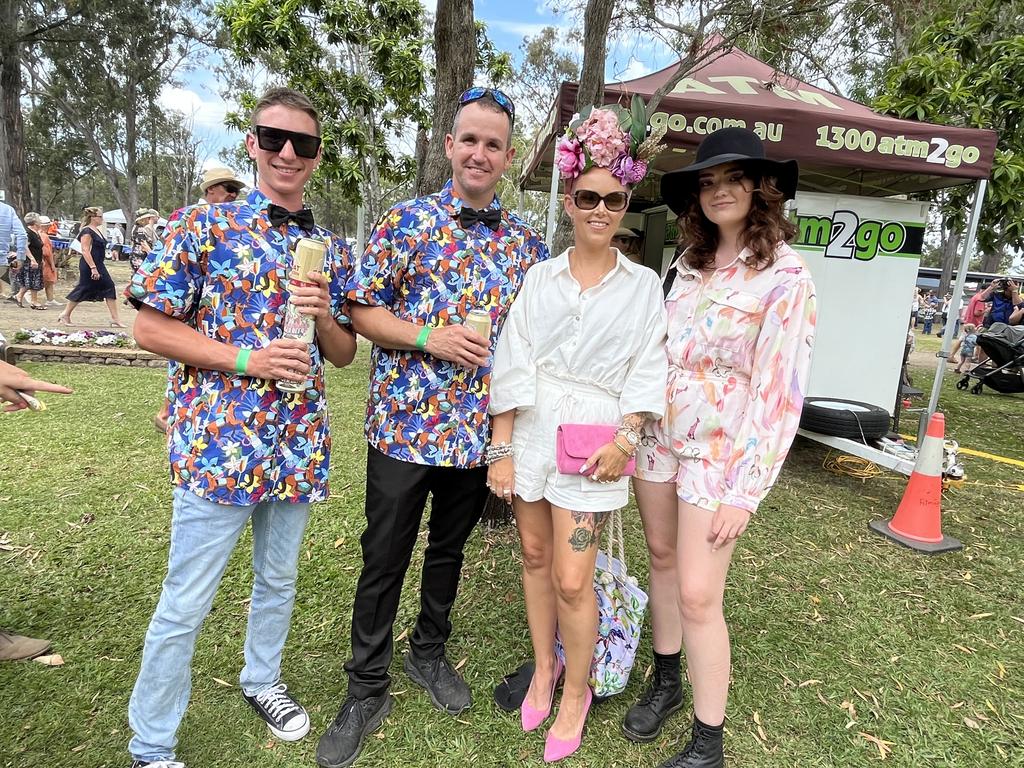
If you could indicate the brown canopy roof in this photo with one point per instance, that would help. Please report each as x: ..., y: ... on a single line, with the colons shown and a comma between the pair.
x: 842, y: 146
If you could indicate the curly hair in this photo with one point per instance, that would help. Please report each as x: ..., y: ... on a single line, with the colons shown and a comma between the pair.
x: 767, y: 226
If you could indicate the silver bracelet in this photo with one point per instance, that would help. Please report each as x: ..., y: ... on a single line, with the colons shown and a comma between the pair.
x: 497, y: 452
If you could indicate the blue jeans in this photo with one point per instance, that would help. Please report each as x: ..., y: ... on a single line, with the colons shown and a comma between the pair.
x: 203, y: 535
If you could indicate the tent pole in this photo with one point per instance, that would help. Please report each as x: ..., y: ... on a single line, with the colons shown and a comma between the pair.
x: 549, y: 233
x: 954, y: 305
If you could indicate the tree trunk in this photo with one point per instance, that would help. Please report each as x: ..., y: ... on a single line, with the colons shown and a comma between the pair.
x: 13, y: 167
x: 422, y: 144
x: 596, y: 20
x: 990, y: 261
x: 455, y: 57
x: 950, y: 256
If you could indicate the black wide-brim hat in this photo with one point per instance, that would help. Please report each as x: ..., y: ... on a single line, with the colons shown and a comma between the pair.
x: 727, y: 145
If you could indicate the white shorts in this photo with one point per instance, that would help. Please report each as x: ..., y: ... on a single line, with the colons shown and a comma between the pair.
x: 533, y: 439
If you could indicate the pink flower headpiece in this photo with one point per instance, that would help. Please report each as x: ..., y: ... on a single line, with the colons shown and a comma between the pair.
x: 609, y: 137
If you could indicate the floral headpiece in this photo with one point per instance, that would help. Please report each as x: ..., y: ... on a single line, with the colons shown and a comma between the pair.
x: 609, y: 137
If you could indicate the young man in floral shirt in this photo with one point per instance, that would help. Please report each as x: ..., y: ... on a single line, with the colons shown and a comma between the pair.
x: 212, y: 298
x: 429, y: 264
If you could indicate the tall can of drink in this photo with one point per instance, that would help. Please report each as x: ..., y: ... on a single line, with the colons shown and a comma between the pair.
x: 307, y: 257
x: 479, y: 320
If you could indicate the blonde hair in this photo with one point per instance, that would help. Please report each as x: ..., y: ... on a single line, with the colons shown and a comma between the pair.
x: 88, y: 212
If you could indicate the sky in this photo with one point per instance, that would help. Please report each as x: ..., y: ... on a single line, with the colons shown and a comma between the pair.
x: 508, y: 23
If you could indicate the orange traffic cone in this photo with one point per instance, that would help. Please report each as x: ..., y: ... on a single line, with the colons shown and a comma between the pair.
x: 918, y: 520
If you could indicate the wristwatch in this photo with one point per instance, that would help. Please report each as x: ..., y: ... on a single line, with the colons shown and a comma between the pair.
x: 631, y: 437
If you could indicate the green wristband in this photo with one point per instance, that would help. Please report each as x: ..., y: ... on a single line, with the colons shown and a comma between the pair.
x: 242, y: 361
x: 421, y: 340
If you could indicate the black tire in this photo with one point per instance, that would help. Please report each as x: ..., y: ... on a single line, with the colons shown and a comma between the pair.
x: 976, y: 389
x: 963, y: 383
x: 844, y: 418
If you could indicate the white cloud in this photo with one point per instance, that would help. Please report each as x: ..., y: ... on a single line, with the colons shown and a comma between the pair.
x: 634, y: 69
x: 206, y: 112
x: 519, y: 29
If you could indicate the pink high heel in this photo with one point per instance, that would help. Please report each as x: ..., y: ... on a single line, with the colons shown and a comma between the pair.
x: 531, y: 717
x: 556, y: 749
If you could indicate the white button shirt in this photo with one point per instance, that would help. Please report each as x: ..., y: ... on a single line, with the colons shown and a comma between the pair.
x: 569, y: 356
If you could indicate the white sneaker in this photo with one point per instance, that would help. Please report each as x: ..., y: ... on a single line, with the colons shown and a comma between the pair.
x: 54, y: 303
x: 157, y: 764
x: 283, y: 715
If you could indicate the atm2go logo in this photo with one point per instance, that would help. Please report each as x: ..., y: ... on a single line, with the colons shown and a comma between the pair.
x: 846, y: 236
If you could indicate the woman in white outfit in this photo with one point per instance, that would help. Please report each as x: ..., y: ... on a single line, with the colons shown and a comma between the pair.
x: 583, y: 344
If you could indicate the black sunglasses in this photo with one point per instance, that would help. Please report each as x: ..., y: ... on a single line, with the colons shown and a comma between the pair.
x: 588, y: 200
x: 503, y: 101
x: 273, y: 140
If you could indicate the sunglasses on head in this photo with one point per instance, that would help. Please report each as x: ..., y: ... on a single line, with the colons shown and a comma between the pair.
x: 503, y: 101
x: 588, y: 200
x: 273, y: 140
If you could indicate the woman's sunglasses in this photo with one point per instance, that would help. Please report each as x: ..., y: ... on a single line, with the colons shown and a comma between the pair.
x: 273, y: 140
x: 503, y: 101
x: 588, y: 200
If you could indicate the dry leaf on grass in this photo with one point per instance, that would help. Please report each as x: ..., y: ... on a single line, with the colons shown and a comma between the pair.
x: 970, y: 723
x: 226, y: 684
x: 884, y: 747
x: 50, y: 660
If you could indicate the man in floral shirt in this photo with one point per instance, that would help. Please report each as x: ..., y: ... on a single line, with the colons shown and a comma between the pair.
x: 429, y: 263
x: 212, y: 298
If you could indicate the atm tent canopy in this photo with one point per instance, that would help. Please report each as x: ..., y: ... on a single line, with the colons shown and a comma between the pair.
x: 843, y: 147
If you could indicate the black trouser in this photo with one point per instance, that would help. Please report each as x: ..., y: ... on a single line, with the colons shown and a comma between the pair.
x: 396, y: 493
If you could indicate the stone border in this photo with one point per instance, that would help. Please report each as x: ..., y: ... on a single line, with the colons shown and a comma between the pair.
x: 42, y: 353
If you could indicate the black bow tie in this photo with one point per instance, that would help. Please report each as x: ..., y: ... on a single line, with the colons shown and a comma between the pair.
x: 279, y: 215
x: 489, y: 216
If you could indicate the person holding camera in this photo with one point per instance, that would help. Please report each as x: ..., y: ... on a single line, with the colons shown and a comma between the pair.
x: 1005, y: 297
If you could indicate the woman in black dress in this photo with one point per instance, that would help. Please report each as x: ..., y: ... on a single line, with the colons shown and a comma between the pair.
x: 94, y: 282
x: 30, y: 277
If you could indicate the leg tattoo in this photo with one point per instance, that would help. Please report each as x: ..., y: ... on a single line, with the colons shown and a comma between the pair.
x: 588, y: 529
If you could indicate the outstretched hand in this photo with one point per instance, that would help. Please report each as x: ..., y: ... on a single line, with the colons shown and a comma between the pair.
x: 14, y: 380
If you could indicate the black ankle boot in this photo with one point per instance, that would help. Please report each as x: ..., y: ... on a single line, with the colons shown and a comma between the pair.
x: 663, y: 697
x: 703, y: 751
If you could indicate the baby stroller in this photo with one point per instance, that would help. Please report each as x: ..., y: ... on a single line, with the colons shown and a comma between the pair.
x: 1004, y: 369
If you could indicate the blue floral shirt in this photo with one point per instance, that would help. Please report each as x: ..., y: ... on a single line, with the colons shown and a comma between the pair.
x: 426, y: 269
x: 236, y: 439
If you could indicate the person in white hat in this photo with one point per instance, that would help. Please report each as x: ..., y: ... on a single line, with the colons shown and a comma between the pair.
x: 220, y: 185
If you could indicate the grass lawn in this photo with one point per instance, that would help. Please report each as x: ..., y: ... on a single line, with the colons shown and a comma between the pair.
x: 847, y: 648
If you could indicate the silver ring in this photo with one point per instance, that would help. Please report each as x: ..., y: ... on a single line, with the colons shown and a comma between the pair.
x: 507, y: 492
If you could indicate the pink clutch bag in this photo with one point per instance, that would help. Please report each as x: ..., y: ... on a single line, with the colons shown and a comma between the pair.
x: 575, y: 443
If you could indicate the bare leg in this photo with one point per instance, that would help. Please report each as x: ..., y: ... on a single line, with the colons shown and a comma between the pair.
x: 65, y: 316
x: 659, y: 511
x: 533, y: 519
x: 575, y: 552
x: 112, y: 309
x: 702, y: 575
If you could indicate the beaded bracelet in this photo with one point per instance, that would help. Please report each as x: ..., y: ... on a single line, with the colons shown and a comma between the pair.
x: 497, y: 452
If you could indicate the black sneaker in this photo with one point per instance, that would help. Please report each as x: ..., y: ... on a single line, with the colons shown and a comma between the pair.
x: 283, y: 715
x: 448, y: 691
x: 343, y: 740
x: 157, y: 764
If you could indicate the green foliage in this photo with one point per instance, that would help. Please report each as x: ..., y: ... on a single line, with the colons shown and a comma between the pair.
x: 966, y: 70
x: 360, y: 63
x: 100, y: 74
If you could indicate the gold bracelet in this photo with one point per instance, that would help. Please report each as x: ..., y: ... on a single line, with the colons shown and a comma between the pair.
x: 619, y: 446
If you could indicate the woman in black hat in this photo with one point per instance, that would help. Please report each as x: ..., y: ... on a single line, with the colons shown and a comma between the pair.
x: 740, y: 325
